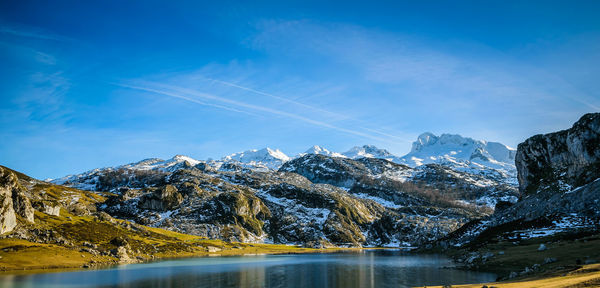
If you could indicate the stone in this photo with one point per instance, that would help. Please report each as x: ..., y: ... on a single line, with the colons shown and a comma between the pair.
x: 49, y: 209
x: 22, y: 205
x: 8, y: 218
x: 162, y: 199
x: 212, y: 249
x: 542, y: 247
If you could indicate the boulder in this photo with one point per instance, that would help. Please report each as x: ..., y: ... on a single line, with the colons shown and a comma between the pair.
x: 53, y: 210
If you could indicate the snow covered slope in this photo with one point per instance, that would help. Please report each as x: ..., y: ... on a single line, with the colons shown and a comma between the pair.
x: 318, y: 150
x: 89, y: 180
x: 369, y: 151
x: 463, y: 154
x: 155, y: 163
x: 263, y: 158
x: 430, y: 148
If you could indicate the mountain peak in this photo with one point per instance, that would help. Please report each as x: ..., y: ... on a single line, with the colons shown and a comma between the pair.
x: 319, y: 150
x: 267, y: 157
x: 183, y: 158
x: 367, y: 151
x: 454, y: 148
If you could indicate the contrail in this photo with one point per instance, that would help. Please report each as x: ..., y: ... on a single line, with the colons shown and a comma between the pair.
x: 230, y: 84
x: 166, y: 93
x: 176, y: 92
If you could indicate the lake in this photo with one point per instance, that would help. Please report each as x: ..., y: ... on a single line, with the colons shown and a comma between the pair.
x: 370, y: 268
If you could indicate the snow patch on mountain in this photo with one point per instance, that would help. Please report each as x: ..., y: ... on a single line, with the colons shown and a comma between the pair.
x: 167, y: 165
x: 89, y: 179
x: 263, y: 158
x: 321, y: 151
x: 369, y: 151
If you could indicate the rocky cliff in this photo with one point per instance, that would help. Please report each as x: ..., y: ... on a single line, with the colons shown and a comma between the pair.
x: 560, y: 161
x: 13, y: 202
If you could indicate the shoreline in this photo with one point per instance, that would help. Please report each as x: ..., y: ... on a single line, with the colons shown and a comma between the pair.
x: 585, y: 276
x: 83, y: 263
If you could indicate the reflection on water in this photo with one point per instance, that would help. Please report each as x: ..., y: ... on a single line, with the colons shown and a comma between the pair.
x: 365, y: 269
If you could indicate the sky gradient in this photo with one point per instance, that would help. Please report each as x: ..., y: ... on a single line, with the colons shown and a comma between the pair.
x: 89, y: 84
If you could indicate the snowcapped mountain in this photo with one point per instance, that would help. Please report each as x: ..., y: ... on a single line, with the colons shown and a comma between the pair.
x: 463, y: 154
x: 156, y: 163
x: 318, y: 150
x: 430, y: 148
x: 263, y: 158
x: 369, y: 151
x: 490, y: 160
x: 89, y: 180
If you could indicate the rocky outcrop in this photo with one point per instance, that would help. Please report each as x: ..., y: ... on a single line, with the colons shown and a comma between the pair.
x: 13, y: 202
x: 162, y: 199
x: 22, y: 205
x: 8, y: 218
x: 341, y: 172
x: 561, y: 161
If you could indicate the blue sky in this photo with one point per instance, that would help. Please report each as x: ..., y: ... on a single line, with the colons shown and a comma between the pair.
x: 89, y: 84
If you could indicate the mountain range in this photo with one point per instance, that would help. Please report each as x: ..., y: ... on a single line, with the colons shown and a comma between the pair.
x: 364, y: 196
x: 490, y: 159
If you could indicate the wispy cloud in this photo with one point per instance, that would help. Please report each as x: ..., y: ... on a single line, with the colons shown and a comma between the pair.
x: 33, y: 33
x: 207, y: 99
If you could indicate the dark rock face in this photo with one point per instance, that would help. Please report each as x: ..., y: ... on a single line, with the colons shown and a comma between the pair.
x: 560, y: 161
x: 22, y: 205
x: 339, y: 172
x: 161, y: 199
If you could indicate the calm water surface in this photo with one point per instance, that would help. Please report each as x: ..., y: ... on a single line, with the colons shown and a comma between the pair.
x: 363, y: 269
